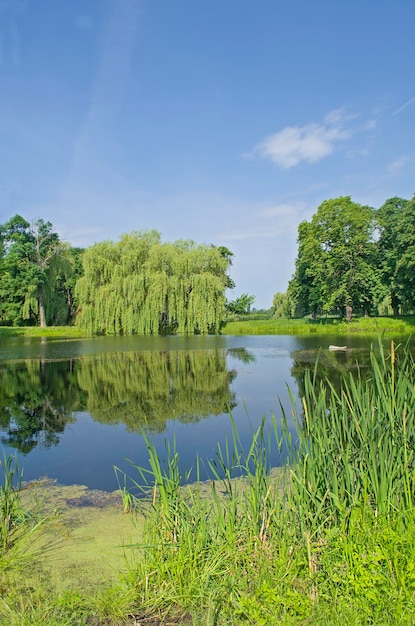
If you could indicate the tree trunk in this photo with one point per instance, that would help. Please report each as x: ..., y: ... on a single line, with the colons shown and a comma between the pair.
x: 41, y: 302
x: 348, y: 312
x: 395, y: 306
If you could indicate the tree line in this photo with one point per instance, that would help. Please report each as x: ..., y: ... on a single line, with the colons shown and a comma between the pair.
x: 353, y: 259
x: 136, y: 285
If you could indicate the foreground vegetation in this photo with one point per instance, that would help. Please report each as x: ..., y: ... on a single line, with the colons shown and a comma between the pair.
x: 326, y: 540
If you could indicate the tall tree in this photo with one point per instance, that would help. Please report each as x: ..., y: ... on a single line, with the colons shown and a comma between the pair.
x: 335, y: 265
x: 396, y: 224
x: 33, y: 257
x: 283, y: 305
x: 140, y: 285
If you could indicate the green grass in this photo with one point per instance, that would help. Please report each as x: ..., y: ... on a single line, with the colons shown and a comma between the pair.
x: 326, y: 540
x: 36, y: 331
x: 323, y: 326
x: 280, y: 326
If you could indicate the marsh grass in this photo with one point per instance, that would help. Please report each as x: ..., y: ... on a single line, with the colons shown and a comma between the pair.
x: 19, y: 528
x: 330, y: 538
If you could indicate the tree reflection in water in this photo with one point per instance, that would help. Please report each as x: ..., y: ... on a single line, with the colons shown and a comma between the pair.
x: 145, y: 389
x: 37, y: 400
x: 333, y: 366
x: 142, y: 390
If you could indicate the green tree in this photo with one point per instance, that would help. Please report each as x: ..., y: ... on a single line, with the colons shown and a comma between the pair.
x: 283, y: 305
x: 241, y: 305
x: 336, y: 262
x: 396, y: 245
x: 33, y: 258
x: 63, y: 306
x: 140, y: 285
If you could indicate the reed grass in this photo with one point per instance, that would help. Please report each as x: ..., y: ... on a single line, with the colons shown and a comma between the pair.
x: 337, y: 521
x: 19, y: 528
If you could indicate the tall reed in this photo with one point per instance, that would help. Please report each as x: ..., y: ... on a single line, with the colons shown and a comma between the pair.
x: 260, y: 546
x: 356, y: 444
x: 18, y: 526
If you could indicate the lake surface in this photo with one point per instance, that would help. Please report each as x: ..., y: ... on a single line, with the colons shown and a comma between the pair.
x: 73, y: 409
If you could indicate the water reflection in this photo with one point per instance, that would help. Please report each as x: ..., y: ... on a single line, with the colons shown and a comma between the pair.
x: 141, y: 390
x: 145, y: 389
x: 37, y: 400
x: 75, y: 409
x: 325, y: 365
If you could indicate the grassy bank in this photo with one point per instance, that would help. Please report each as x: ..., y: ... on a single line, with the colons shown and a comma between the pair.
x: 35, y: 331
x: 368, y: 325
x: 328, y: 540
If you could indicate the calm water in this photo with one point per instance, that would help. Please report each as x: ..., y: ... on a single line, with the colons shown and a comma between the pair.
x: 74, y: 409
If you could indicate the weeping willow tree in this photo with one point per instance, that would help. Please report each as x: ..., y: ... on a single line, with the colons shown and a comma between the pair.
x: 140, y: 285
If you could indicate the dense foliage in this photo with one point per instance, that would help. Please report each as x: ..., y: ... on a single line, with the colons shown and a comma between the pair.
x: 37, y: 274
x: 241, y: 305
x: 140, y: 285
x: 353, y: 258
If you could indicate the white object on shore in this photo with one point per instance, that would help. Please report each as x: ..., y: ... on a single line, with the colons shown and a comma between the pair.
x: 344, y: 348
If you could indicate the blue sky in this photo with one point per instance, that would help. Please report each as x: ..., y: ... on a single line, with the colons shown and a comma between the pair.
x: 222, y: 121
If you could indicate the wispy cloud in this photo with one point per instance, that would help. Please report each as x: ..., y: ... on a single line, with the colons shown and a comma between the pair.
x: 396, y: 166
x: 309, y: 143
x: 404, y: 106
x: 268, y: 222
x: 369, y: 125
x: 260, y: 233
x: 107, y: 90
x: 281, y: 211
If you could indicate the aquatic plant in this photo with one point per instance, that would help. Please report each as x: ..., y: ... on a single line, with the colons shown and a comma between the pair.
x: 266, y: 547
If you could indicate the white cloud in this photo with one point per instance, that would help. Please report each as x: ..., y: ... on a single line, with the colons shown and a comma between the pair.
x: 260, y: 233
x: 396, y: 166
x: 309, y: 143
x: 369, y: 125
x: 284, y: 210
x: 338, y: 117
x: 269, y: 223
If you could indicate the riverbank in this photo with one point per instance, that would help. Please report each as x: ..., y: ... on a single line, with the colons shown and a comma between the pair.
x: 63, y: 332
x: 332, y: 326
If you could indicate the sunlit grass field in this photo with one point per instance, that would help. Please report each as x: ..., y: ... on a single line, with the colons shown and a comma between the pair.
x: 36, y: 331
x: 280, y: 326
x: 323, y: 326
